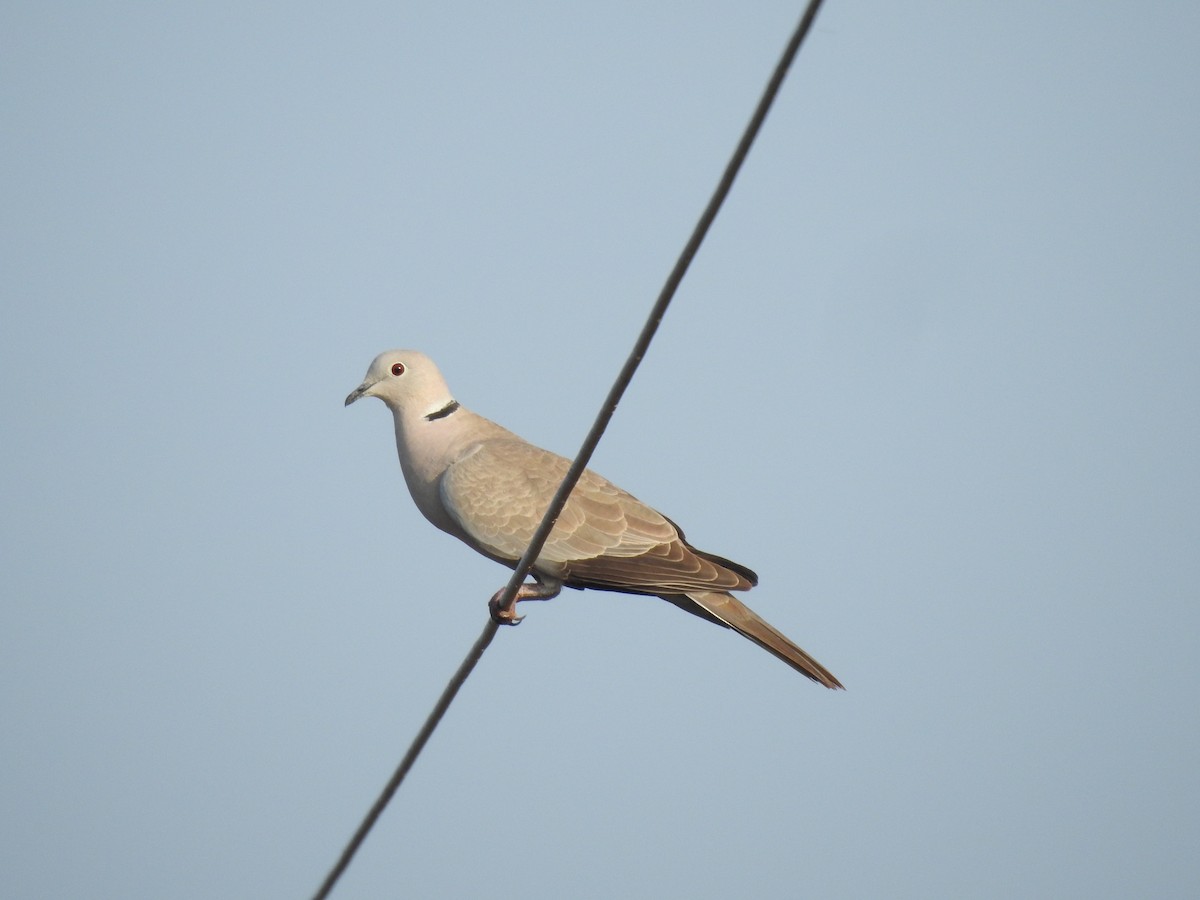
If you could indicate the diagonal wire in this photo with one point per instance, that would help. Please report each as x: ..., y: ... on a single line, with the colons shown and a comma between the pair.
x: 659, y: 310
x: 506, y: 599
x: 418, y: 744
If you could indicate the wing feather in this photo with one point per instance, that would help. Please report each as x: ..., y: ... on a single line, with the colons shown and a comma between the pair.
x: 498, y: 491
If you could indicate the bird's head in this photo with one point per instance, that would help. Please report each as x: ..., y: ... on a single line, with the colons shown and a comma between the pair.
x: 406, y: 380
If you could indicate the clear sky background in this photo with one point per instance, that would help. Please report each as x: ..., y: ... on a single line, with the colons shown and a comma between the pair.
x: 934, y: 375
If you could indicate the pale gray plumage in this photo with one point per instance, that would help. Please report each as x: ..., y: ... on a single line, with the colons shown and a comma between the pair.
x: 481, y: 483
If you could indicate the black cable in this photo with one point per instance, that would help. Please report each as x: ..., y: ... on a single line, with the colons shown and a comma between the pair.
x: 589, y: 444
x: 418, y: 744
x: 659, y: 310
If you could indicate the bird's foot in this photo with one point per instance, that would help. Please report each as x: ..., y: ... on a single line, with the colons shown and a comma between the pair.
x: 542, y: 590
x: 500, y: 615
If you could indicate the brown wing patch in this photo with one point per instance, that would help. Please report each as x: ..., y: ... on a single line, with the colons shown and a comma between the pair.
x: 667, y: 568
x: 605, y: 538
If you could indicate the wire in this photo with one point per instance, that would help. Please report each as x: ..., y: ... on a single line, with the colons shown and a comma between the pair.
x: 506, y: 599
x: 418, y: 744
x: 658, y: 311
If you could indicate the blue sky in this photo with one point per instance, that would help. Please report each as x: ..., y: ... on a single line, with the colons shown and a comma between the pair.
x: 934, y: 376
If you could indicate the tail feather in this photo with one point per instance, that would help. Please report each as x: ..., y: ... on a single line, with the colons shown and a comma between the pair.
x: 728, y: 610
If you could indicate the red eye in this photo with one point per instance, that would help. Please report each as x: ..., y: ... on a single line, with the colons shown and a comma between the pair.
x: 397, y: 368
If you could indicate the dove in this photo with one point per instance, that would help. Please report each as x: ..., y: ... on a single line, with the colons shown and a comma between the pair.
x: 484, y: 485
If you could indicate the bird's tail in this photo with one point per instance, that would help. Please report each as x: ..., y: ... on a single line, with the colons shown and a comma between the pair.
x: 730, y: 611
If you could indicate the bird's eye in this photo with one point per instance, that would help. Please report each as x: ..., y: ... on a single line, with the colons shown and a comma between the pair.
x: 397, y: 368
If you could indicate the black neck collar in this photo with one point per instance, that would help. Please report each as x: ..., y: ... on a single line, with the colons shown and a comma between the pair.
x: 443, y: 412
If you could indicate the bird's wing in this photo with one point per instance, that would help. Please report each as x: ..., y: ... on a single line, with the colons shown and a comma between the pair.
x: 498, y: 492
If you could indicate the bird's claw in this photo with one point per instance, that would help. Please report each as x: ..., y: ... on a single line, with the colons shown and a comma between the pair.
x: 543, y: 589
x: 503, y: 616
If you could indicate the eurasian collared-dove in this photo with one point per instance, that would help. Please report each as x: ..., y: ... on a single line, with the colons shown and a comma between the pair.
x: 489, y: 488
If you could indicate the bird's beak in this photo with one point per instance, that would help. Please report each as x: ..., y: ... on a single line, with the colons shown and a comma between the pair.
x: 358, y: 392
